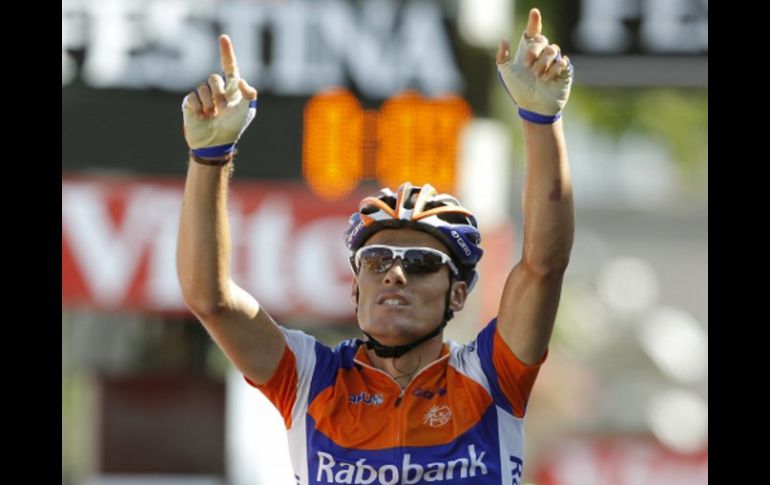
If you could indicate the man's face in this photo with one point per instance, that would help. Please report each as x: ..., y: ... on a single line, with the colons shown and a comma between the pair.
x: 396, y: 307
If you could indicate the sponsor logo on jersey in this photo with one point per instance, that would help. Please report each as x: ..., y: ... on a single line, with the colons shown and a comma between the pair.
x: 469, y: 466
x: 437, y: 416
x: 363, y: 397
x: 427, y: 393
x: 517, y: 468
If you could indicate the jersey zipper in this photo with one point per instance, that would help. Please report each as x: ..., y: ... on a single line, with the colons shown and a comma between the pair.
x: 398, y: 418
x: 398, y: 399
x: 403, y: 390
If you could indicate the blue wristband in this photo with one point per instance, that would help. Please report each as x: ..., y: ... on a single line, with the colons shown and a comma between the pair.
x: 538, y: 118
x: 213, y: 152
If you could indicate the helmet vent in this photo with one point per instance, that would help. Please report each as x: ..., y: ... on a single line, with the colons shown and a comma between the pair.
x: 409, y: 202
x: 369, y: 209
x: 451, y: 217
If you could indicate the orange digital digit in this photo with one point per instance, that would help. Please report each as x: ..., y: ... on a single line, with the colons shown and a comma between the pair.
x: 419, y: 139
x: 448, y: 117
x: 332, y: 147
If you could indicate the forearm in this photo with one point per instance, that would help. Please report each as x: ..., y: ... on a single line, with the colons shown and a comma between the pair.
x: 203, y: 250
x: 549, y: 214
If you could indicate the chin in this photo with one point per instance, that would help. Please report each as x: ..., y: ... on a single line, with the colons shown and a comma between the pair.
x: 387, y: 325
x: 394, y: 328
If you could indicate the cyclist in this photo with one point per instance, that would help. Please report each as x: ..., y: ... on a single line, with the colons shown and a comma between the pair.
x: 401, y: 406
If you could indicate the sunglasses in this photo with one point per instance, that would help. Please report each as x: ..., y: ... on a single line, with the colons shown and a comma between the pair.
x: 415, y: 260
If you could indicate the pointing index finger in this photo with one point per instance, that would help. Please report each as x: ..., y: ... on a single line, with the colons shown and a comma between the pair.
x: 227, y: 53
x: 535, y: 23
x: 503, y: 52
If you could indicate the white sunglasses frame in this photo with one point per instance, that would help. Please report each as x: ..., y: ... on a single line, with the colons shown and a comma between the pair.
x: 399, y: 252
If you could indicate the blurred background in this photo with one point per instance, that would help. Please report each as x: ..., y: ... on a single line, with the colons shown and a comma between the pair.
x: 355, y: 95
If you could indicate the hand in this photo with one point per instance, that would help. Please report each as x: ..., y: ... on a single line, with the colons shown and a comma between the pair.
x: 539, y: 78
x: 218, y: 111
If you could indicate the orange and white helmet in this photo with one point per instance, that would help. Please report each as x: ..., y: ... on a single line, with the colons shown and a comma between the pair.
x: 423, y: 209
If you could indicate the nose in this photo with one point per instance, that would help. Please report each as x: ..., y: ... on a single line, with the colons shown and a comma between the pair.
x: 395, y: 275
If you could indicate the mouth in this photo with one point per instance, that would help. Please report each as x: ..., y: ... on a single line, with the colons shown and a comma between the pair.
x: 392, y: 300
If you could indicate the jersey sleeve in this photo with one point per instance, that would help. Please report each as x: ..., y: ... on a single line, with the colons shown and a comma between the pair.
x: 289, y: 386
x: 510, y: 380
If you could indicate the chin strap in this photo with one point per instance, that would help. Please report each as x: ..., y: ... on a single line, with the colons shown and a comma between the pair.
x: 395, y: 351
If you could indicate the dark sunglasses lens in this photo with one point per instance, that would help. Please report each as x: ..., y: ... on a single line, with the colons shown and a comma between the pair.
x: 417, y: 261
x: 376, y: 259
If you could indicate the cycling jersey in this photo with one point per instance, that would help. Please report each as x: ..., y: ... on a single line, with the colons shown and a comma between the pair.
x: 460, y: 419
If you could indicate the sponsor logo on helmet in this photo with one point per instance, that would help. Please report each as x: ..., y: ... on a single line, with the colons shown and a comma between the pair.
x: 330, y: 471
x: 461, y: 242
x: 354, y: 232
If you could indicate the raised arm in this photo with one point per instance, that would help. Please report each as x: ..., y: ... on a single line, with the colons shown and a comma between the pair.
x: 538, y: 79
x: 215, y: 116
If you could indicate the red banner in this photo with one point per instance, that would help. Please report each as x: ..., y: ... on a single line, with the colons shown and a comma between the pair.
x: 119, y: 246
x: 621, y: 461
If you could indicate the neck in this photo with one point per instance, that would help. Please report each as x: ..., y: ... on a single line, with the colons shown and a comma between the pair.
x: 404, y: 368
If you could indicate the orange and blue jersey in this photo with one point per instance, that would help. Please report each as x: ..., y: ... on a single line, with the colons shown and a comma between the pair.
x: 460, y: 419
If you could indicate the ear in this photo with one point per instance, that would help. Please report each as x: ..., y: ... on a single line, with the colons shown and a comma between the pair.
x: 458, y: 295
x: 354, y: 292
